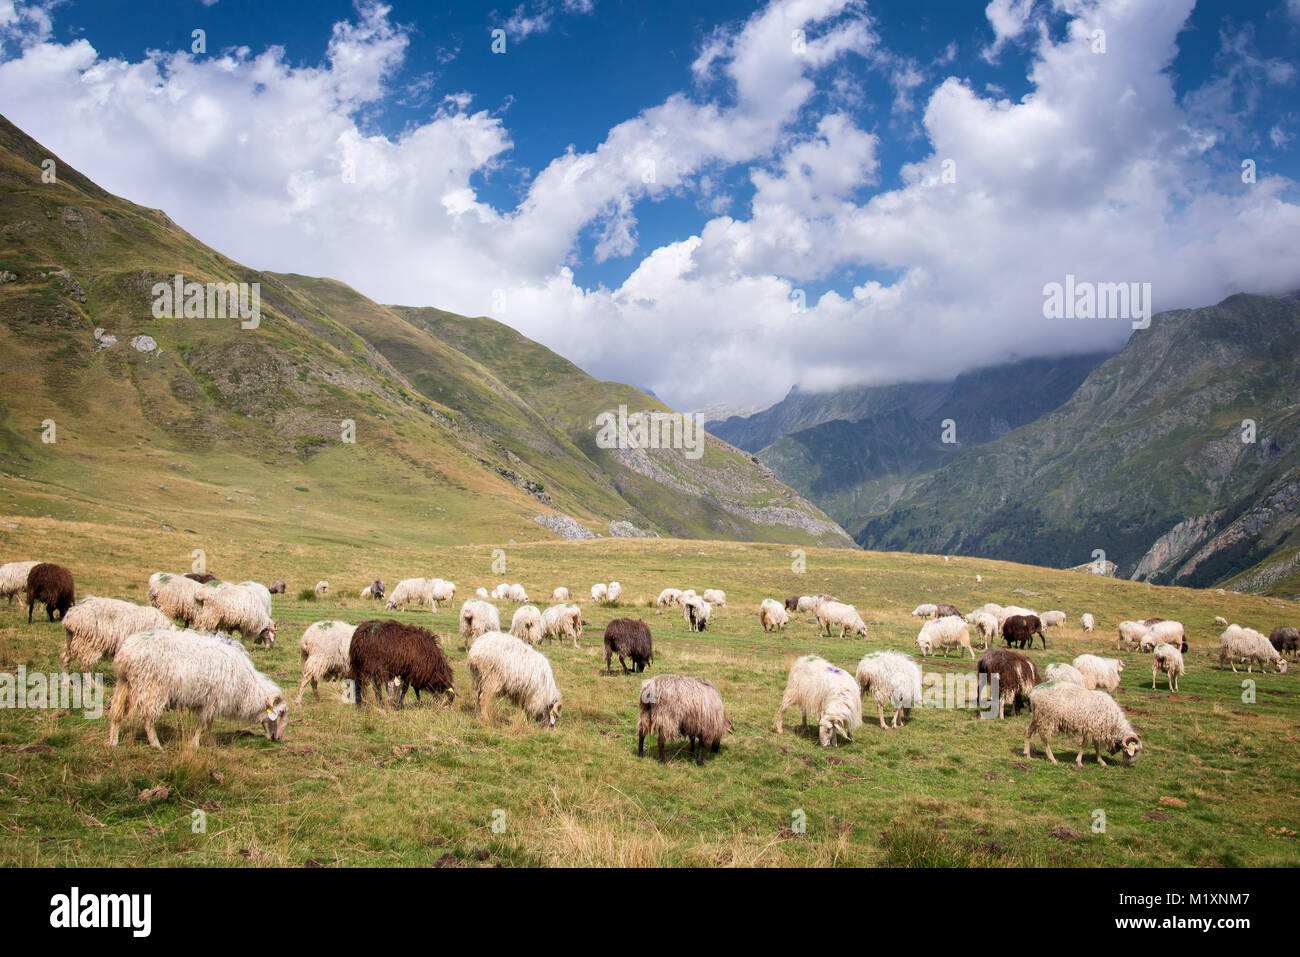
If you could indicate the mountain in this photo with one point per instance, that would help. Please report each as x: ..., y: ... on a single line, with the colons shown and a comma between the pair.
x: 359, y: 420
x: 1179, y: 458
x: 851, y: 450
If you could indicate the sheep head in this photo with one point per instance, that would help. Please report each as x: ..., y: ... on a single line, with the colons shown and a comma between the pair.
x: 1281, y: 666
x: 828, y: 728
x: 553, y: 713
x: 275, y: 717
x: 1131, y: 745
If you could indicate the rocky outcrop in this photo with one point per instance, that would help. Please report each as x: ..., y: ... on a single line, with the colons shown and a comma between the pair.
x: 566, y: 526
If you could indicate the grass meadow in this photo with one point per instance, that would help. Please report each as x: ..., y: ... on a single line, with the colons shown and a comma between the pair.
x: 1217, y: 784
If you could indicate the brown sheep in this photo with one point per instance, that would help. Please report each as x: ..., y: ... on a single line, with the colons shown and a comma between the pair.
x: 1020, y: 630
x: 52, y: 586
x: 677, y: 706
x: 628, y: 638
x: 384, y: 650
x: 1016, y: 677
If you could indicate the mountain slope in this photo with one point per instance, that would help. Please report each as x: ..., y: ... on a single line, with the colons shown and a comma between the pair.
x: 1145, y: 462
x: 219, y: 424
x: 850, y: 451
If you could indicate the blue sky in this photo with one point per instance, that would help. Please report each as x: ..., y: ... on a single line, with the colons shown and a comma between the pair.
x: 443, y: 127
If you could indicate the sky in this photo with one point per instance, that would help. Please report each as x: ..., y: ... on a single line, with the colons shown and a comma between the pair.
x: 714, y: 202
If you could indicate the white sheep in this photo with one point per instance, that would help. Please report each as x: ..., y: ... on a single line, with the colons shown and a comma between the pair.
x: 926, y: 610
x: 477, y: 617
x: 560, y: 594
x: 1053, y: 619
x: 817, y: 686
x: 184, y: 670
x: 986, y: 626
x: 407, y: 591
x: 891, y: 678
x: 175, y: 596
x: 1063, y: 708
x: 1088, y: 622
x: 503, y: 665
x: 806, y: 603
x: 1099, y: 672
x: 696, y: 612
x: 501, y: 592
x: 772, y: 615
x: 1169, y: 659
x: 262, y: 592
x: 562, y: 621
x: 599, y: 591
x: 1168, y: 632
x: 367, y: 592
x: 1063, y: 672
x: 230, y: 607
x: 517, y: 594
x: 324, y: 647
x: 669, y: 597
x: 1249, y: 646
x: 481, y: 593
x: 96, y: 627
x: 527, y: 624
x: 831, y: 614
x: 1129, y: 633
x: 613, y: 591
x: 945, y: 633
x: 322, y: 589
x: 716, y: 597
x: 1012, y: 610
x: 13, y: 578
x: 1218, y: 620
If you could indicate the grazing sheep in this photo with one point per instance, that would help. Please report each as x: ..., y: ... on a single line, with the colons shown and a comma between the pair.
x: 1170, y: 632
x: 696, y: 611
x: 440, y: 590
x: 562, y: 621
x: 325, y: 648
x: 1064, y: 672
x: 175, y: 596
x: 833, y: 613
x: 234, y: 608
x: 669, y: 597
x: 1249, y: 646
x: 477, y: 617
x: 716, y: 597
x: 986, y: 626
x: 1285, y: 639
x: 613, y: 592
x: 184, y: 670
x: 262, y: 592
x: 1099, y: 672
x: 628, y: 638
x: 560, y: 594
x: 1129, y: 633
x: 1019, y: 630
x: 678, y: 706
x: 1088, y: 622
x: 527, y: 624
x: 13, y: 578
x: 945, y: 633
x: 503, y: 665
x: 408, y: 590
x: 501, y: 592
x: 278, y: 586
x: 599, y: 591
x: 1053, y: 619
x: 772, y: 616
x: 374, y: 590
x: 925, y: 611
x: 1061, y: 708
x: 891, y: 678
x: 1015, y: 674
x: 831, y: 693
x: 481, y: 592
x: 1221, y: 621
x: 517, y: 594
x: 96, y: 627
x: 322, y: 589
x: 382, y: 651
x: 1169, y: 659
x: 943, y: 611
x: 52, y: 586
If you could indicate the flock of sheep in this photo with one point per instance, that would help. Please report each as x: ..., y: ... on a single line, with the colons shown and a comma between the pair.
x: 178, y: 653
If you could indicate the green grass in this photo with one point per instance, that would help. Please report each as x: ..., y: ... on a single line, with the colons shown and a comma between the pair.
x: 358, y: 787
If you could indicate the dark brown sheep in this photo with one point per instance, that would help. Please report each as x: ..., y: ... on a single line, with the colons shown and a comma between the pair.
x: 1020, y: 630
x: 201, y: 577
x: 377, y: 588
x: 792, y: 603
x: 1285, y: 639
x: 276, y: 587
x: 53, y: 587
x: 628, y: 638
x: 384, y: 650
x: 1015, y: 675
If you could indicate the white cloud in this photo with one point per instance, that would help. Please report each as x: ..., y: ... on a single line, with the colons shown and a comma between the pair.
x: 1099, y: 171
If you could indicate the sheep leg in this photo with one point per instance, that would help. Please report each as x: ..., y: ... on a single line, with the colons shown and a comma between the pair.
x: 880, y: 713
x: 1100, y: 759
x: 785, y: 703
x: 662, y: 759
x: 1154, y: 670
x: 150, y: 732
x: 640, y: 746
x: 699, y: 757
x: 624, y: 664
x: 117, y: 710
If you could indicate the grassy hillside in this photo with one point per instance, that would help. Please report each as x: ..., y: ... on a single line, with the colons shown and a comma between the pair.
x: 1216, y: 785
x: 1146, y: 461
x: 253, y: 421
